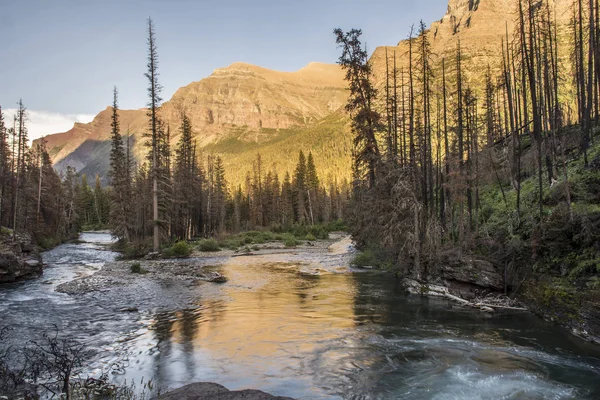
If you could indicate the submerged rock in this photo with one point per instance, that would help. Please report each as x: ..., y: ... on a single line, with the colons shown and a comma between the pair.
x: 214, y: 391
x: 212, y: 277
x: 129, y: 309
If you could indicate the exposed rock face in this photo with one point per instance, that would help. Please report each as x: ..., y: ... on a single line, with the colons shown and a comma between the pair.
x: 244, y: 95
x: 465, y: 276
x: 19, y: 259
x: 243, y: 101
x: 214, y: 391
x: 479, y: 26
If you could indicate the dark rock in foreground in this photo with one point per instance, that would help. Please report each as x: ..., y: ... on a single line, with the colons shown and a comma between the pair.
x: 19, y: 258
x: 214, y: 391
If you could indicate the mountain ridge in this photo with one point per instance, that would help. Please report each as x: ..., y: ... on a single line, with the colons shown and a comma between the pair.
x: 246, y: 103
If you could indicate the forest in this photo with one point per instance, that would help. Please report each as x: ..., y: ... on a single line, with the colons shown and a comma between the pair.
x: 510, y: 172
x: 441, y: 168
x: 175, y: 195
x: 456, y: 176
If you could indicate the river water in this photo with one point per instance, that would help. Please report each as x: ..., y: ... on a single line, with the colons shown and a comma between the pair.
x: 298, y: 324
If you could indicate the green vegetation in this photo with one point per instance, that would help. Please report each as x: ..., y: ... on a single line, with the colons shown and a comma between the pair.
x: 374, y: 258
x: 136, y: 268
x: 131, y: 251
x: 207, y: 245
x: 48, y: 243
x: 292, y: 235
x: 365, y: 258
x: 180, y: 249
x: 492, y: 175
x: 328, y: 139
x: 290, y: 240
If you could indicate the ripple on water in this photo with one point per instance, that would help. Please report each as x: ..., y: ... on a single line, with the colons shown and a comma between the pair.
x: 288, y: 325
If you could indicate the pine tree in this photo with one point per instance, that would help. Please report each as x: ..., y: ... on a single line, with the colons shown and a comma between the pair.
x: 4, y: 163
x: 312, y: 187
x: 287, y: 201
x: 183, y: 182
x: 366, y: 121
x: 299, y: 185
x: 119, y: 175
x: 156, y: 133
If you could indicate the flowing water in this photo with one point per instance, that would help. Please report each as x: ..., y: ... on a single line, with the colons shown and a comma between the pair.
x: 299, y: 324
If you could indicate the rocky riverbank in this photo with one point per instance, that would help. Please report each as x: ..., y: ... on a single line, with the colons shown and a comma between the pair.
x: 479, y: 284
x: 127, y: 273
x: 19, y: 258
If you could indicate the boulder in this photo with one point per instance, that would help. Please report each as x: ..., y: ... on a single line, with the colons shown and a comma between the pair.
x: 466, y: 276
x: 19, y: 258
x: 214, y: 391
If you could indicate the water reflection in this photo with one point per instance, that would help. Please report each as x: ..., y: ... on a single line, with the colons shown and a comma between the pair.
x: 283, y: 329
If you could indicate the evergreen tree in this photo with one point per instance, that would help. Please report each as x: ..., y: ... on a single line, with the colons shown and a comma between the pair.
x: 120, y: 217
x: 366, y: 121
x: 183, y: 182
x: 156, y: 132
x: 299, y: 184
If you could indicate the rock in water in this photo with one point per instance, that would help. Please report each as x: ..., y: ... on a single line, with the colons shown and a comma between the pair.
x: 214, y: 277
x: 214, y: 391
x: 19, y: 258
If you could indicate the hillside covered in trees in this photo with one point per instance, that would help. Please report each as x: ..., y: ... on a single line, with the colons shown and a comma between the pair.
x: 505, y: 179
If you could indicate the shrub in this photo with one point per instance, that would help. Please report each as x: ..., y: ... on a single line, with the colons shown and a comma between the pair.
x: 136, y: 268
x: 231, y: 244
x: 132, y: 251
x: 365, y: 258
x: 208, y: 245
x: 310, y: 236
x: 290, y: 241
x: 179, y: 250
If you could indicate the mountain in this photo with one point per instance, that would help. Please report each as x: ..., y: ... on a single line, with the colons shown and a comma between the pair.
x: 242, y: 110
x: 480, y: 26
x: 237, y: 111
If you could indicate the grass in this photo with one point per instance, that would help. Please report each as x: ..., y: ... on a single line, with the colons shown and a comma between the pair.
x: 136, y: 268
x: 291, y: 236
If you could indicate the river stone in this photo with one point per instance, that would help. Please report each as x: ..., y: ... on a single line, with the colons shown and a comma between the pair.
x: 32, y: 263
x: 212, y: 277
x: 214, y: 391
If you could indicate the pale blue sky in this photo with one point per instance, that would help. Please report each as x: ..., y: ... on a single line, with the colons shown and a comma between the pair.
x: 64, y: 56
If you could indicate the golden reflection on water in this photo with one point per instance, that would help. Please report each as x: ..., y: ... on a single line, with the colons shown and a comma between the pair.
x: 263, y: 317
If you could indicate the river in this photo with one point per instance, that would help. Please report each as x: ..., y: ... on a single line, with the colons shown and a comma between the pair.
x: 299, y: 324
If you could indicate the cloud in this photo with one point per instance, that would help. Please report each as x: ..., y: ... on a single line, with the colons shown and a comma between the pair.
x: 41, y: 123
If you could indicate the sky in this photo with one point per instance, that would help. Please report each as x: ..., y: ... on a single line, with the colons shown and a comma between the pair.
x: 63, y: 57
